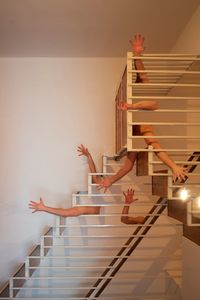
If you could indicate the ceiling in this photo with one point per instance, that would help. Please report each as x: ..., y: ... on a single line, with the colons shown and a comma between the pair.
x: 89, y: 28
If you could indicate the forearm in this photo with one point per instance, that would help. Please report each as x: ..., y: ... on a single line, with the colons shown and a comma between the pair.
x: 163, y: 156
x: 62, y: 212
x: 92, y: 168
x: 126, y: 168
x: 121, y: 173
x: 145, y: 105
x: 141, y: 77
x: 125, y: 211
x: 55, y: 211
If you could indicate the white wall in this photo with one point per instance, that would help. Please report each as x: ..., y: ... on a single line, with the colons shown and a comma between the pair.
x: 47, y: 107
x: 188, y: 41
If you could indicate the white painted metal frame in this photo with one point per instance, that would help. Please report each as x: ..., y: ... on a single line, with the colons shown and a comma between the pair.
x: 168, y: 66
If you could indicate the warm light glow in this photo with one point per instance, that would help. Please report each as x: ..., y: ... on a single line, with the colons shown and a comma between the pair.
x: 184, y: 194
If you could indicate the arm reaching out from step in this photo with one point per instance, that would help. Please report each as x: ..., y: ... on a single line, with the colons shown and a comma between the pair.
x: 128, y: 200
x: 126, y: 168
x: 148, y: 133
x: 143, y: 105
x: 63, y: 212
x: 83, y: 151
x: 138, y: 48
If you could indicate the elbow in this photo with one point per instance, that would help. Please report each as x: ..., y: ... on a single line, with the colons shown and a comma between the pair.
x: 124, y: 220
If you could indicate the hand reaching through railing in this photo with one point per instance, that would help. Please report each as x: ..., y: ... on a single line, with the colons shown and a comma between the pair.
x: 129, y: 198
x: 137, y: 44
x: 105, y: 183
x: 143, y: 105
x: 179, y: 173
x: 64, y: 212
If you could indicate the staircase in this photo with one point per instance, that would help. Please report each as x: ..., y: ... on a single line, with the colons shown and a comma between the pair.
x: 97, y: 256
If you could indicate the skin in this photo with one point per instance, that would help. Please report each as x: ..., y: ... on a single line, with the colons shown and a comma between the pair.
x: 83, y: 151
x: 129, y: 198
x: 63, y: 212
x: 73, y: 211
x: 179, y: 173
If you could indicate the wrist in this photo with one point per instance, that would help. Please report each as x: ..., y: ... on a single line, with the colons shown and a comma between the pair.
x: 44, y: 208
x: 112, y: 179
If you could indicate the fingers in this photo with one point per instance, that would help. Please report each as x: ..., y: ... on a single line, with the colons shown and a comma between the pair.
x: 122, y: 106
x: 180, y: 176
x: 33, y: 202
x: 139, y: 37
x: 32, y: 206
x: 82, y: 150
x: 101, y: 186
x: 130, y: 191
x: 136, y: 199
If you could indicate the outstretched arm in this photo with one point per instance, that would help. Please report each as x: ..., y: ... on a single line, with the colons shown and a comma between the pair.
x: 126, y: 168
x: 128, y: 200
x: 138, y: 48
x: 178, y: 171
x: 63, y: 212
x: 143, y: 105
x: 83, y: 151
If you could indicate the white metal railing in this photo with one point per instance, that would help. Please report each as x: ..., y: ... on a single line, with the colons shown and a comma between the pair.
x: 168, y: 74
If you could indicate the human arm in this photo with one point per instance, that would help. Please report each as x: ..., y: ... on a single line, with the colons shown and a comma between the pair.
x: 83, y: 151
x: 138, y: 48
x: 126, y: 168
x: 177, y: 171
x: 40, y: 206
x: 128, y: 200
x: 143, y: 105
x: 63, y: 212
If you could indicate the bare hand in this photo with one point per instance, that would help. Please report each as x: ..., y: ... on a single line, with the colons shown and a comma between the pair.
x: 137, y: 44
x: 129, y: 196
x: 105, y: 184
x: 179, y: 173
x: 37, y: 206
x: 83, y: 151
x: 123, y: 106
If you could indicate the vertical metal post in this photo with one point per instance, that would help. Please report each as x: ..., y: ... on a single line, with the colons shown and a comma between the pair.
x: 27, y: 265
x: 42, y: 246
x: 129, y: 101
x: 105, y: 164
x: 169, y: 185
x: 58, y: 223
x: 11, y: 284
x: 89, y: 184
x: 150, y: 161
